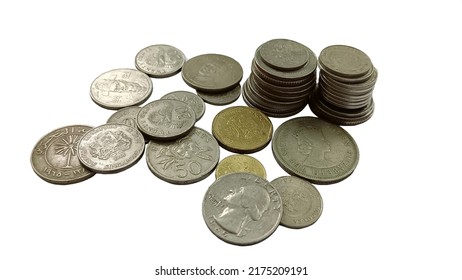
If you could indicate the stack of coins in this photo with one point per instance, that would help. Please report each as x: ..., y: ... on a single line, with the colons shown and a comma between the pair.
x: 346, y: 82
x: 283, y: 78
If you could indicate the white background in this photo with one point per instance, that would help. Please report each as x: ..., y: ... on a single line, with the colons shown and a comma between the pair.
x: 397, y: 217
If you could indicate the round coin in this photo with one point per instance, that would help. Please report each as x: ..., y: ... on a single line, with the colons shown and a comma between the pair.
x: 160, y: 61
x: 345, y: 61
x: 302, y: 202
x: 126, y: 116
x: 54, y: 157
x: 186, y: 160
x: 221, y: 98
x: 242, y: 208
x: 196, y: 103
x: 242, y: 129
x: 283, y: 54
x: 240, y: 163
x: 121, y: 88
x: 110, y: 148
x: 314, y: 149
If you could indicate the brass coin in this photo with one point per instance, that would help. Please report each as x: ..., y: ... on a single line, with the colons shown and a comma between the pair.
x: 240, y: 163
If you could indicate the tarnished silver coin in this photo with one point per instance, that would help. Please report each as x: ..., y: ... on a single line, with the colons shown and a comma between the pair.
x: 344, y: 61
x: 110, y: 148
x: 196, y: 103
x: 121, y: 88
x: 221, y: 98
x: 54, y: 157
x: 284, y: 54
x: 166, y: 119
x: 160, y: 61
x: 185, y: 160
x: 302, y: 201
x: 242, y: 208
x: 314, y: 149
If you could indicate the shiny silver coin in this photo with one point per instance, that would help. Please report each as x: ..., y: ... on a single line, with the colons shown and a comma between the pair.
x: 242, y: 208
x: 196, y: 103
x: 221, y: 98
x: 185, y: 160
x: 54, y: 157
x: 121, y: 88
x: 126, y: 116
x: 160, y: 61
x: 345, y: 61
x: 283, y: 54
x: 110, y: 148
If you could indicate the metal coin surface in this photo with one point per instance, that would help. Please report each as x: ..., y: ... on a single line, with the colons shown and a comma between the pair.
x: 196, y: 103
x: 121, y: 88
x: 314, y: 149
x: 212, y: 73
x: 166, y: 119
x: 302, y: 202
x: 186, y: 160
x: 242, y: 129
x: 54, y: 157
x: 345, y: 61
x: 110, y: 148
x: 240, y: 163
x: 284, y: 54
x: 221, y: 98
x: 242, y: 208
x: 160, y: 61
x: 126, y: 116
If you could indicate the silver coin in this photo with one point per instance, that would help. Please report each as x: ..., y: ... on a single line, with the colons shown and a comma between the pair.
x: 242, y: 208
x: 302, y: 201
x: 186, y: 160
x: 166, y: 119
x: 196, y: 103
x: 126, y: 116
x: 221, y: 98
x: 110, y: 148
x: 345, y: 61
x: 160, y: 61
x: 283, y: 54
x: 121, y: 88
x: 54, y: 157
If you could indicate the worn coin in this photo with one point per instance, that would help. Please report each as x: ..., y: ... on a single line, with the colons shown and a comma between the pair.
x: 160, y: 61
x: 121, y: 88
x: 166, y: 119
x: 185, y: 160
x: 284, y: 54
x: 301, y: 201
x: 242, y: 208
x: 126, y: 116
x: 221, y: 98
x: 314, y: 149
x: 240, y: 163
x: 54, y: 157
x: 345, y: 61
x: 110, y: 148
x: 242, y: 129
x: 196, y: 103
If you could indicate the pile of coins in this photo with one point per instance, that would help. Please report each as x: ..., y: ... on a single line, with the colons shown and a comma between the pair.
x: 283, y: 78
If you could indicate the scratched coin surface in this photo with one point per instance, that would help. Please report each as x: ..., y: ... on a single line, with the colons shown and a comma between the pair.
x: 121, y: 88
x: 166, y: 119
x: 221, y: 98
x: 110, y: 148
x: 242, y: 129
x: 314, y: 149
x: 185, y: 160
x: 284, y: 54
x: 240, y: 163
x: 54, y: 157
x: 160, y: 61
x: 301, y: 201
x: 242, y: 208
x: 196, y: 103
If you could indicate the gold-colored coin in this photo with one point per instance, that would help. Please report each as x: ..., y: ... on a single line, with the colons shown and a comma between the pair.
x: 240, y: 163
x: 242, y: 129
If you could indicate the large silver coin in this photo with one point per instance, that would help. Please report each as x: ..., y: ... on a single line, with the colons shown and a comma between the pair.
x: 160, y: 61
x: 221, y: 98
x: 121, y: 88
x: 186, y: 160
x: 314, y: 149
x: 196, y: 103
x: 283, y: 54
x: 242, y: 208
x: 302, y: 201
x: 166, y: 119
x: 54, y: 157
x: 110, y: 148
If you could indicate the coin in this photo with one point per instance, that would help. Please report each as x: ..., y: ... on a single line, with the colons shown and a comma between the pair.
x: 221, y: 98
x: 166, y: 119
x: 126, y: 116
x: 240, y: 163
x: 284, y: 54
x: 121, y: 88
x: 160, y: 61
x: 316, y: 150
x: 302, y: 202
x: 345, y: 61
x: 110, y: 148
x: 242, y: 129
x: 54, y: 157
x: 186, y: 160
x: 242, y: 208
x: 212, y: 73
x: 196, y: 103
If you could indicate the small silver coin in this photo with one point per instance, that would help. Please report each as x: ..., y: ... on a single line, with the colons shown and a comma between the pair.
x: 160, y: 61
x: 345, y: 61
x: 283, y: 54
x: 196, y: 103
x: 186, y: 160
x: 221, y: 98
x: 126, y: 116
x: 242, y: 208
x: 121, y: 88
x: 110, y: 148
